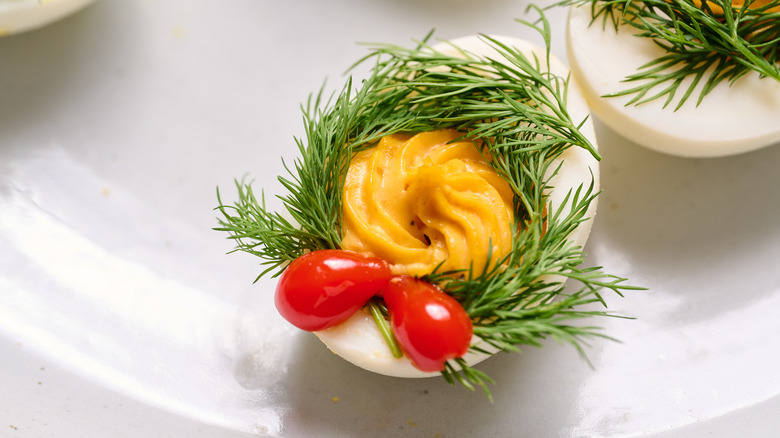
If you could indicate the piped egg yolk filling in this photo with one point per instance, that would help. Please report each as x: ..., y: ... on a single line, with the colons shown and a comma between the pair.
x: 737, y: 4
x: 426, y: 200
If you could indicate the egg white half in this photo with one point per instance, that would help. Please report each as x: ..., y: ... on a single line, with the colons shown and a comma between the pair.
x: 22, y: 15
x: 730, y: 120
x: 358, y: 340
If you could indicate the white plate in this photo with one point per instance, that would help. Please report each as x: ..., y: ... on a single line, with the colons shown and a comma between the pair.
x: 118, y: 303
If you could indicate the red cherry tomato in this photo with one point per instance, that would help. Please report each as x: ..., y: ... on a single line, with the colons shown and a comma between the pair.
x: 430, y: 325
x: 323, y: 288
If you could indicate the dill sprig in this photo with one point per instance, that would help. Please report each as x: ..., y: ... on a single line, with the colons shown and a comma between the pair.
x: 709, y: 41
x: 513, y: 106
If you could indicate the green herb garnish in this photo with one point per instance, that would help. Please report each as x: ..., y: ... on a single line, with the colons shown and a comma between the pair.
x: 513, y: 106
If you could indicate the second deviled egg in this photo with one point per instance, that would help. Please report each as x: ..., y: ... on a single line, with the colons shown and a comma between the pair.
x: 669, y: 75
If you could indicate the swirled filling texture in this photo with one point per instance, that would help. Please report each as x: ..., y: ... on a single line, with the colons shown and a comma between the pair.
x: 424, y: 200
x: 738, y: 4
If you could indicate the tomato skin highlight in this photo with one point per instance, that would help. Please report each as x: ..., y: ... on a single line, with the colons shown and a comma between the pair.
x: 431, y: 326
x: 322, y: 289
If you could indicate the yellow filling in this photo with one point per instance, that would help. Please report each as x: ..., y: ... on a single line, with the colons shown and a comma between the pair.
x: 422, y: 200
x: 738, y: 4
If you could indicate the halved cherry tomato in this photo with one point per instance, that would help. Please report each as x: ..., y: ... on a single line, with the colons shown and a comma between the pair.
x: 323, y: 288
x: 431, y: 326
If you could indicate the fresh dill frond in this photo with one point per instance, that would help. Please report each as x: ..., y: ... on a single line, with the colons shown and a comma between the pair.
x: 710, y: 41
x: 513, y: 106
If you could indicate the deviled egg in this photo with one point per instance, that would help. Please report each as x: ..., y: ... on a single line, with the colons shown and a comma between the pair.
x: 437, y: 213
x: 731, y: 118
